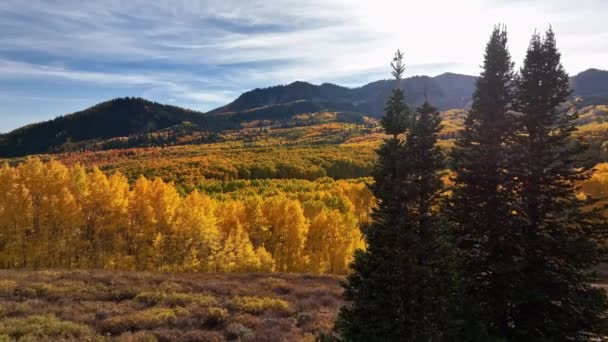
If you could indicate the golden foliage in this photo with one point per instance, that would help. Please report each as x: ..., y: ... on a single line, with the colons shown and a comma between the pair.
x: 57, y: 216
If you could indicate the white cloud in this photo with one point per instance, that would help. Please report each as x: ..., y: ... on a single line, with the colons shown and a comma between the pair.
x: 329, y: 34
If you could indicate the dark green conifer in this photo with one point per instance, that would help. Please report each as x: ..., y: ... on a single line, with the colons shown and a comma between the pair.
x: 396, y: 112
x: 561, y: 239
x: 481, y: 205
x: 402, y: 286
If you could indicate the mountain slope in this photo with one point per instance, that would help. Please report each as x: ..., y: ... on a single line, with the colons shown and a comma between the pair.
x: 445, y: 91
x: 115, y: 118
x: 591, y: 87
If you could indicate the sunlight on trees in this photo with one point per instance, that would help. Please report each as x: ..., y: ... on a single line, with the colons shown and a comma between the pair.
x: 52, y: 215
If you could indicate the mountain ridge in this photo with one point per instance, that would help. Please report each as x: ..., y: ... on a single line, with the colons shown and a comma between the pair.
x: 108, y: 119
x: 369, y: 98
x: 124, y: 117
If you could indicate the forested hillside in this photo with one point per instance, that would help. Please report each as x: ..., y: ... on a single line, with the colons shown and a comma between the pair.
x: 591, y: 87
x: 115, y: 118
x: 135, y: 122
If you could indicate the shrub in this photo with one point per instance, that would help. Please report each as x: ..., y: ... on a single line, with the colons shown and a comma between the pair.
x: 150, y: 298
x: 140, y: 320
x: 183, y: 299
x: 174, y: 299
x: 215, y: 316
x: 237, y: 331
x: 50, y: 291
x: 26, y: 292
x: 140, y: 336
x: 167, y: 335
x: 43, y: 327
x: 7, y: 288
x: 202, y: 335
x: 303, y: 319
x: 117, y: 295
x: 258, y: 305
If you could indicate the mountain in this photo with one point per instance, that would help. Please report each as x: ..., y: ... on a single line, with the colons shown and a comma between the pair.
x: 591, y: 87
x: 445, y: 91
x: 115, y: 118
x: 108, y: 123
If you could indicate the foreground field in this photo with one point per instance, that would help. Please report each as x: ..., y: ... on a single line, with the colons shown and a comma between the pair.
x: 130, y: 306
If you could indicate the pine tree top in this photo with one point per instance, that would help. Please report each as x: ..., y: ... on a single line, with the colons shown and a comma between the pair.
x: 397, y: 114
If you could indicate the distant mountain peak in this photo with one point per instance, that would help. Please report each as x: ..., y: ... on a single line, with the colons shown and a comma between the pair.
x: 447, y: 91
x: 591, y: 71
x: 591, y: 87
x: 114, y: 118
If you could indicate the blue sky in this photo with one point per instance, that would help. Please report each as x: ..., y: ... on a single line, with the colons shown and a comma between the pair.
x: 57, y: 57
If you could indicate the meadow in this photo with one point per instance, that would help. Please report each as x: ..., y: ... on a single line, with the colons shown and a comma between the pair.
x: 139, y: 306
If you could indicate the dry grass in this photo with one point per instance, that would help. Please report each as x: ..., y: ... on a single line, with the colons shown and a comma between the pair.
x: 131, y: 306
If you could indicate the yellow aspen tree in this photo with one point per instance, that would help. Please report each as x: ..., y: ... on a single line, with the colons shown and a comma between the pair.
x: 79, y: 188
x: 94, y: 214
x: 288, y: 229
x: 316, y: 243
x: 67, y: 223
x: 332, y: 239
x: 31, y: 175
x: 229, y: 214
x: 164, y: 200
x: 7, y: 231
x: 267, y: 263
x: 254, y: 222
x: 362, y: 199
x: 142, y: 221
x: 312, y: 208
x: 343, y: 240
x: 237, y: 254
x: 15, y: 219
x: 60, y: 216
x: 104, y: 217
x: 597, y: 185
x: 196, y: 234
x: 116, y: 232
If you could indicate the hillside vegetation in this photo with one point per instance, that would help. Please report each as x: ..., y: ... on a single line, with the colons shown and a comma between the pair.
x: 130, y: 306
x: 120, y: 117
x: 52, y: 216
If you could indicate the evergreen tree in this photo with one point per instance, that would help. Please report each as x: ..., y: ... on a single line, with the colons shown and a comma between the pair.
x: 401, y: 285
x: 560, y: 237
x: 481, y: 205
x: 397, y: 114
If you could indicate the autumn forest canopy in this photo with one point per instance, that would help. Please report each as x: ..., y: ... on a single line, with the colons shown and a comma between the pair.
x: 58, y: 217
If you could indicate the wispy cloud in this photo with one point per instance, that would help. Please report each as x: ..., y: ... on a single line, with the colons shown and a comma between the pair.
x: 203, y: 53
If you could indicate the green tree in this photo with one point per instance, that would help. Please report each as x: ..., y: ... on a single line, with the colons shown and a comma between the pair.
x: 560, y: 239
x: 401, y: 285
x: 396, y: 112
x: 481, y: 205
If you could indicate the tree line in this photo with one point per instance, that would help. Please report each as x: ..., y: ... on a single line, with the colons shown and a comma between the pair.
x: 506, y: 252
x: 53, y: 216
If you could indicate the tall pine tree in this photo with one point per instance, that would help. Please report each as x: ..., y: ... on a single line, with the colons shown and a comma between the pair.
x: 481, y: 205
x: 561, y: 239
x: 401, y: 285
x: 396, y: 112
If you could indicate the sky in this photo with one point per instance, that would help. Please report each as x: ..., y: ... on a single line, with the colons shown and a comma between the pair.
x: 61, y: 56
